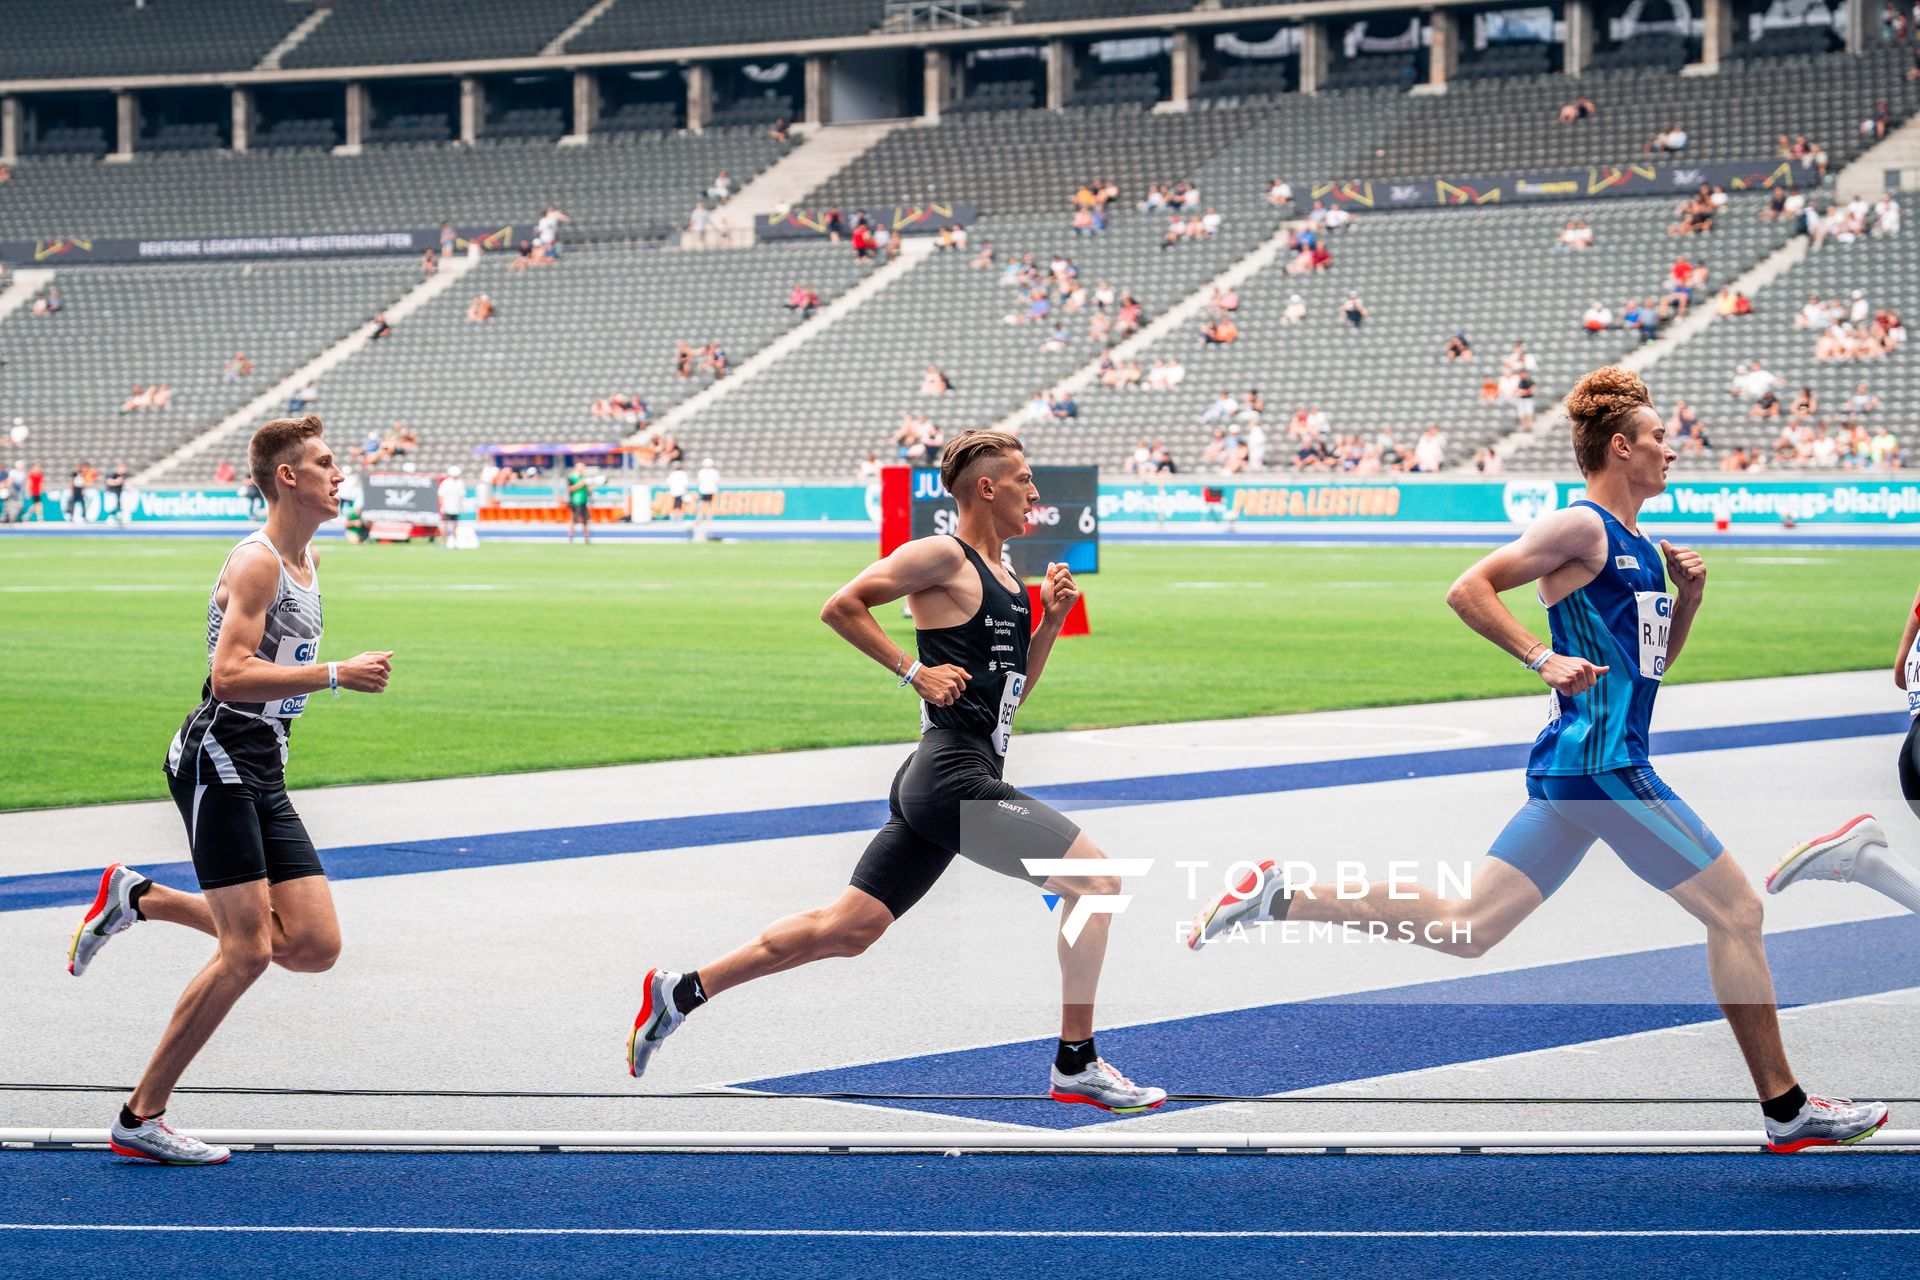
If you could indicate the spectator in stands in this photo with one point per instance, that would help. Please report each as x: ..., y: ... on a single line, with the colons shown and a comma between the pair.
x: 1063, y: 406
x: 476, y: 248
x: 983, y: 260
x: 1140, y: 461
x: 713, y: 360
x: 1279, y: 193
x: 1765, y: 405
x: 868, y: 470
x: 1580, y: 108
x: 1731, y: 302
x: 522, y: 259
x: 1682, y: 423
x: 1038, y: 407
x: 1597, y: 320
x: 1805, y: 404
x: 720, y: 188
x: 223, y: 472
x: 1057, y: 338
x: 429, y: 262
x: 1876, y: 124
x: 779, y: 132
x: 1523, y: 393
x: 1863, y: 402
x: 1575, y: 237
x: 139, y: 399
x: 1735, y: 461
x: 1668, y: 142
x: 300, y: 401
x: 1458, y: 348
x: 697, y: 221
x: 805, y: 299
x: 885, y: 241
x: 480, y: 309
x: 1776, y: 205
x: 76, y: 500
x: 1296, y: 310
x: 1751, y: 379
x: 236, y: 368
x: 381, y: 329
x: 1695, y: 216
x: 6, y: 173
x: 162, y: 396
x: 47, y: 304
x: 1430, y: 450
x: 1649, y: 321
x: 1223, y: 409
x: 1221, y: 331
x: 863, y: 241
x: 1354, y: 312
x: 448, y: 240
x: 1886, y: 216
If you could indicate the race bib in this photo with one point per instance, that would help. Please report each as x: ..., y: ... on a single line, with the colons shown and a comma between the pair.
x: 294, y: 651
x: 1913, y: 679
x: 1009, y: 703
x: 1656, y: 620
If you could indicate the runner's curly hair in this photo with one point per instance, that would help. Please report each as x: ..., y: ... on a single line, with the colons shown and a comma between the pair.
x: 1602, y: 405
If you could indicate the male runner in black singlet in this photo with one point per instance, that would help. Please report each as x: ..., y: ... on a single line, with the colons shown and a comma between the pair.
x: 976, y: 665
x: 264, y: 894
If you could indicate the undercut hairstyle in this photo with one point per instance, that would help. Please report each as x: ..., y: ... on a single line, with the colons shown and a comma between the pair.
x: 962, y: 460
x: 1602, y: 405
x: 278, y: 442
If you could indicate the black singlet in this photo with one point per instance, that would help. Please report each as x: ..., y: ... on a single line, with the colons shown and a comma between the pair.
x: 991, y: 647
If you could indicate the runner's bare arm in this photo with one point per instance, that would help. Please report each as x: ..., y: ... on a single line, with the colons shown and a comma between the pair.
x: 1057, y: 594
x: 1906, y: 643
x: 1573, y: 536
x: 920, y: 565
x: 240, y: 674
x: 1688, y: 572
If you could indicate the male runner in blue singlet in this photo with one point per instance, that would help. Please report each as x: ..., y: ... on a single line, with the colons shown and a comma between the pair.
x: 976, y: 664
x: 264, y: 894
x: 1616, y: 629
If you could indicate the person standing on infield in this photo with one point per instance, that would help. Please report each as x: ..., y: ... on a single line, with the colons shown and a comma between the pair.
x: 264, y: 894
x: 1616, y: 631
x: 978, y: 660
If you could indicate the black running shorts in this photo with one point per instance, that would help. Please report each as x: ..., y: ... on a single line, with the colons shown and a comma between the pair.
x: 1910, y: 767
x: 240, y: 834
x: 947, y: 799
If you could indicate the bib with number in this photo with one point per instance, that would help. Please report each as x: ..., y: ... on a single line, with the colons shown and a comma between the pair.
x: 1656, y: 622
x: 1009, y: 703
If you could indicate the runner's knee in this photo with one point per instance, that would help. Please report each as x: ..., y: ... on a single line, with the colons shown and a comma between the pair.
x: 246, y: 958
x: 310, y: 955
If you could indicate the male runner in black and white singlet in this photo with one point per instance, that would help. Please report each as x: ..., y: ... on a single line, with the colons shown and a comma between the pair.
x: 264, y: 894
x: 976, y: 664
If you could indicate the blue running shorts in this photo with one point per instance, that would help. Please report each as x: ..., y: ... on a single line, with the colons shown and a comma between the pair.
x: 1632, y: 810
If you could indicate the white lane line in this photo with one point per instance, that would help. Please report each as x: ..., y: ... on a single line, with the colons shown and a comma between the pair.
x: 849, y: 1233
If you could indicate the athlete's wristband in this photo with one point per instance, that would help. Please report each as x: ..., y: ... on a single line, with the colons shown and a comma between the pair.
x: 1526, y: 661
x: 912, y: 671
x: 333, y: 678
x: 1540, y: 661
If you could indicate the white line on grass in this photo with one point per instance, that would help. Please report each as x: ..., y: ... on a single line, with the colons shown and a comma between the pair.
x: 832, y: 1233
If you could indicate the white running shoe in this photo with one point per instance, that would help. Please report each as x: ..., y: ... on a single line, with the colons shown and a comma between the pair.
x: 112, y: 912
x: 1826, y: 1122
x: 1830, y: 857
x: 1099, y: 1085
x: 1249, y: 902
x: 656, y: 1020
x: 156, y: 1140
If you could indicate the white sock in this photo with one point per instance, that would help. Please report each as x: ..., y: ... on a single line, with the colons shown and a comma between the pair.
x: 1884, y: 871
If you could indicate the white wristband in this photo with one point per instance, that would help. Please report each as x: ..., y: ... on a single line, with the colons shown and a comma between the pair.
x: 333, y: 678
x: 1540, y: 661
x: 912, y: 671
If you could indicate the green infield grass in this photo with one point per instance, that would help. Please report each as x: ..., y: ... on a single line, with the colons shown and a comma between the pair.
x: 543, y: 656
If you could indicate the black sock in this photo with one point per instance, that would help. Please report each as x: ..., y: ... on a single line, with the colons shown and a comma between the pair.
x: 1071, y: 1058
x: 688, y: 995
x: 134, y: 895
x: 1786, y: 1106
x: 128, y: 1120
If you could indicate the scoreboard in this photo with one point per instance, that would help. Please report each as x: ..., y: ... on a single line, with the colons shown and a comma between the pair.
x: 1063, y: 526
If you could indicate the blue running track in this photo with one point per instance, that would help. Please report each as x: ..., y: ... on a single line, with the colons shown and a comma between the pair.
x: 774, y: 1216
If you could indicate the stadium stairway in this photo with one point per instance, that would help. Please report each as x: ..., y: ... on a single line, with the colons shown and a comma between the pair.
x: 21, y: 289
x: 266, y: 404
x: 1179, y: 316
x: 783, y: 184
x: 558, y: 44
x: 912, y: 253
x: 297, y: 36
x: 1898, y: 152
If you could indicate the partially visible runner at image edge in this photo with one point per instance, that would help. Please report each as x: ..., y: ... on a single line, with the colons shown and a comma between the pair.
x: 1858, y: 853
x: 976, y: 664
x: 264, y: 895
x: 1616, y: 631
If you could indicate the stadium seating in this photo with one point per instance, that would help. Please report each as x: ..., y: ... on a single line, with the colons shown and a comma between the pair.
x: 364, y: 32
x: 563, y: 336
x: 1502, y: 125
x: 1507, y: 283
x: 1887, y: 271
x: 68, y: 374
x: 292, y: 192
x: 163, y: 37
x: 667, y: 24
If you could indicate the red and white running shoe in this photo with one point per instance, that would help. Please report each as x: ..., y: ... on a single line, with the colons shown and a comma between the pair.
x: 112, y: 912
x: 1830, y: 857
